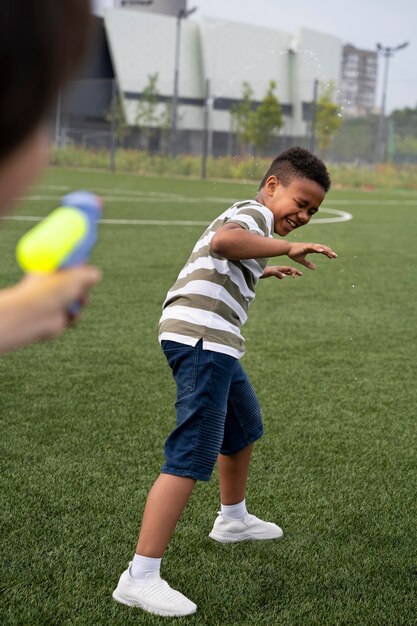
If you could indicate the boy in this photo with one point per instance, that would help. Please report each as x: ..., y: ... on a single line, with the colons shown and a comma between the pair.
x: 218, y: 414
x: 41, y: 44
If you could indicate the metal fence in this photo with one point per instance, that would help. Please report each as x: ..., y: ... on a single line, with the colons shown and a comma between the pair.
x: 91, y: 116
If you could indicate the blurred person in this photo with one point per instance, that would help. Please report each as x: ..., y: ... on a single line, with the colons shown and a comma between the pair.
x: 41, y: 44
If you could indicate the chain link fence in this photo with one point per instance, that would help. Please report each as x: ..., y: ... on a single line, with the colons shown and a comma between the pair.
x: 90, y: 119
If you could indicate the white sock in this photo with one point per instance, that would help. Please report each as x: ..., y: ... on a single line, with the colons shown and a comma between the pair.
x: 143, y: 565
x: 234, y: 511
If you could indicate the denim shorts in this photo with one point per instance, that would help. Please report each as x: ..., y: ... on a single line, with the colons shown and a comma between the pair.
x: 217, y: 410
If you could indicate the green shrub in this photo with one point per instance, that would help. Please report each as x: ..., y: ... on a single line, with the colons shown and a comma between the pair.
x: 249, y: 169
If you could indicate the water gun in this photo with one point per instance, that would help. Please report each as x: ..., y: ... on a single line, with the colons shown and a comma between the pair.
x: 64, y: 238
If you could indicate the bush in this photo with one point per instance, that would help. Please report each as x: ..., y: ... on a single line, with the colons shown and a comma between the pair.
x: 249, y: 169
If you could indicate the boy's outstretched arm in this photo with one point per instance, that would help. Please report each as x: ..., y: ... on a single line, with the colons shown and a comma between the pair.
x: 235, y: 243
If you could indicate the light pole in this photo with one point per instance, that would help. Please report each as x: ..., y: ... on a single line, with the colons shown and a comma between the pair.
x: 182, y: 15
x: 387, y: 52
x: 314, y: 115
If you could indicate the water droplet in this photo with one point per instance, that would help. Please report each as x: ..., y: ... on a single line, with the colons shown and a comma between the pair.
x: 353, y: 285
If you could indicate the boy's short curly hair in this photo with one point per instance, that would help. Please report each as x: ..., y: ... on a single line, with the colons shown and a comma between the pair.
x: 298, y: 163
x: 41, y: 44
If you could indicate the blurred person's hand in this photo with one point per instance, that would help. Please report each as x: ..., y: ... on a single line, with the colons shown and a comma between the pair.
x: 37, y: 308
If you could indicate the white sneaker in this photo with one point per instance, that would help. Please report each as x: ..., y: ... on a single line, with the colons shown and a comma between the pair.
x: 250, y: 528
x: 153, y: 595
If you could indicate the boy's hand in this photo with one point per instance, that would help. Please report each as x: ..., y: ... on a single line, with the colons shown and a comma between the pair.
x: 299, y: 251
x: 281, y: 271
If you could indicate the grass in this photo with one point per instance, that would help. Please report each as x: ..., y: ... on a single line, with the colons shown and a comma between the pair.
x: 347, y: 175
x: 332, y: 357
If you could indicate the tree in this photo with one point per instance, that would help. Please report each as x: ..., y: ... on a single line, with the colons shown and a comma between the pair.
x: 267, y: 119
x: 148, y: 116
x: 165, y: 122
x: 405, y: 122
x: 355, y: 139
x: 328, y: 118
x: 243, y: 118
x: 123, y: 129
x: 403, y: 125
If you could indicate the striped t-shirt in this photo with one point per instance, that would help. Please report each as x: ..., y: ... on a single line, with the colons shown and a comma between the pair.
x: 211, y: 296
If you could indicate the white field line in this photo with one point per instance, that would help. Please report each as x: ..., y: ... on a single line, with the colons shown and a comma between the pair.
x: 127, y: 196
x: 406, y: 192
x: 137, y: 199
x: 169, y: 198
x: 36, y: 218
x: 341, y: 216
x: 173, y: 197
x: 132, y: 196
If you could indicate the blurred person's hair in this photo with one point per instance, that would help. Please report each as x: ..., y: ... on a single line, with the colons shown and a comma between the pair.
x: 41, y: 44
x: 298, y: 163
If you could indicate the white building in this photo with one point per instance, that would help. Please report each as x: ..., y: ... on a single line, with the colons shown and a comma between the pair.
x: 225, y: 53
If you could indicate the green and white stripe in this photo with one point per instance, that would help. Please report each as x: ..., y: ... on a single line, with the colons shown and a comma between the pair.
x: 211, y: 296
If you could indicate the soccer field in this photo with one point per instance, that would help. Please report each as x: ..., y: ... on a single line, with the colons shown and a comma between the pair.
x: 332, y: 356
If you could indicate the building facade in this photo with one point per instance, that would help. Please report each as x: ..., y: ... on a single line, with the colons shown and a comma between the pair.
x: 358, y: 82
x: 216, y: 58
x: 221, y: 55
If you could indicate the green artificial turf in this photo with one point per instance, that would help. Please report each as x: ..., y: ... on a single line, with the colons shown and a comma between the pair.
x: 332, y: 357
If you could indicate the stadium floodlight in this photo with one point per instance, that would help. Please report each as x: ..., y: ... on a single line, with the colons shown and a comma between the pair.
x: 401, y: 46
x: 182, y: 15
x: 387, y: 52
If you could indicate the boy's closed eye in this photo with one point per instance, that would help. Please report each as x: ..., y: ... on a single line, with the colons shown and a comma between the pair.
x: 303, y: 204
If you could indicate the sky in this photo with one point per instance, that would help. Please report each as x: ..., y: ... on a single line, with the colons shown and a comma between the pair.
x: 360, y: 22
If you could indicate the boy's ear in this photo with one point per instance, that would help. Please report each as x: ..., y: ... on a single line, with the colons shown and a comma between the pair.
x: 272, y: 182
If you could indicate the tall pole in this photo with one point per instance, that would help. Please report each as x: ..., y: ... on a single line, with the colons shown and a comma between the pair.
x: 387, y: 53
x: 176, y: 83
x: 113, y: 130
x: 380, y: 136
x: 206, y: 130
x: 314, y: 115
x: 182, y: 14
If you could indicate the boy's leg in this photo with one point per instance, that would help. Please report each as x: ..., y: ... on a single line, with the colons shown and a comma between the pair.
x: 233, y: 475
x: 203, y: 381
x: 145, y: 588
x: 243, y: 427
x: 166, y: 501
